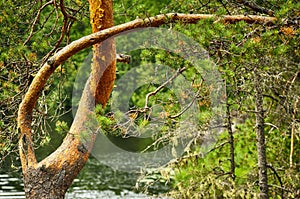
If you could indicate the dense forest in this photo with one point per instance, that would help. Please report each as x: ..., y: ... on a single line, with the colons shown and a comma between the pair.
x: 212, y: 88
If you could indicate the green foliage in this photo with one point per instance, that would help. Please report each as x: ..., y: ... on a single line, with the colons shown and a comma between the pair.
x: 61, y: 127
x: 128, y: 10
x: 20, y: 61
x: 209, y: 176
x: 235, y: 48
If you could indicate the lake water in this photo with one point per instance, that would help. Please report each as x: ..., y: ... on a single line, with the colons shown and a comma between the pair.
x: 95, y: 181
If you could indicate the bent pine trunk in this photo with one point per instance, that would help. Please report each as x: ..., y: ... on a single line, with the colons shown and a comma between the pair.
x: 51, y: 177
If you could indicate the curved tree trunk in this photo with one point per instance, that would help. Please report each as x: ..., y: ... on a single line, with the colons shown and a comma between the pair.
x: 51, y: 177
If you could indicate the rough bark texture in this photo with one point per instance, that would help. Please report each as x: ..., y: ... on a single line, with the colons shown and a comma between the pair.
x: 104, y: 53
x: 260, y: 136
x: 231, y: 141
x: 51, y: 177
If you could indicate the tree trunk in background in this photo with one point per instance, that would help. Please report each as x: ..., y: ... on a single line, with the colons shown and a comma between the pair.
x: 260, y: 136
x: 231, y: 140
x: 51, y: 177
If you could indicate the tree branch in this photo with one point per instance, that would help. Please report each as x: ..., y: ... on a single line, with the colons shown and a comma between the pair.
x: 278, y: 177
x: 38, y: 83
x: 179, y: 71
x: 257, y: 8
x: 123, y: 58
x: 187, y: 107
x: 36, y: 20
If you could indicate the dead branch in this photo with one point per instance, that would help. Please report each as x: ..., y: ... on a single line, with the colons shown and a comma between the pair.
x: 123, y: 58
x: 179, y: 71
x: 257, y: 8
x: 36, y: 20
x: 187, y: 107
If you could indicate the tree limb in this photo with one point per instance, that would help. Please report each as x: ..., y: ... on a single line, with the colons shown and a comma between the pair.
x: 123, y: 58
x: 36, y: 20
x: 178, y: 72
x: 257, y: 8
x: 38, y: 83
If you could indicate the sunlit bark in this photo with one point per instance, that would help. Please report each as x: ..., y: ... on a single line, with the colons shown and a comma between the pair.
x: 104, y: 54
x: 51, y: 177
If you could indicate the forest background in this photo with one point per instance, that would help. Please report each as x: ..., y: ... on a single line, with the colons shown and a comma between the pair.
x: 252, y: 58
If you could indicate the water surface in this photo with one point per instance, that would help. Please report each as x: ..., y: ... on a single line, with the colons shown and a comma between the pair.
x: 94, y: 181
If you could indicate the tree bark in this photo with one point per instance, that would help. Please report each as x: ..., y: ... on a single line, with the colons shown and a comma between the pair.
x: 295, y: 109
x: 51, y: 177
x: 231, y: 141
x: 104, y: 53
x: 260, y: 136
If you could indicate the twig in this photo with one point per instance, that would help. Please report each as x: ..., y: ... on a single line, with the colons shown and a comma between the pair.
x: 248, y: 35
x: 73, y: 19
x: 58, y: 41
x: 54, y: 25
x: 219, y: 146
x: 186, y: 108
x: 36, y: 20
x: 278, y: 177
x: 228, y: 12
x: 257, y: 8
x: 179, y: 71
x: 63, y: 30
x: 272, y: 125
x: 282, y: 188
x: 63, y: 10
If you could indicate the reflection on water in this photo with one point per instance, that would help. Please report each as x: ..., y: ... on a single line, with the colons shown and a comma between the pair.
x: 94, y: 181
x: 105, y: 194
x: 11, y: 186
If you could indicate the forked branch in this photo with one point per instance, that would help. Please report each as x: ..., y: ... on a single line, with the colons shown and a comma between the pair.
x: 38, y: 83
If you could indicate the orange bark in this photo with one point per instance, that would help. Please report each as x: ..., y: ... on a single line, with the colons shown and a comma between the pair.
x: 104, y: 53
x: 53, y: 175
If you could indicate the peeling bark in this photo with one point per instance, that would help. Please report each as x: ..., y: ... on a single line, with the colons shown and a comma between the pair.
x: 104, y: 53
